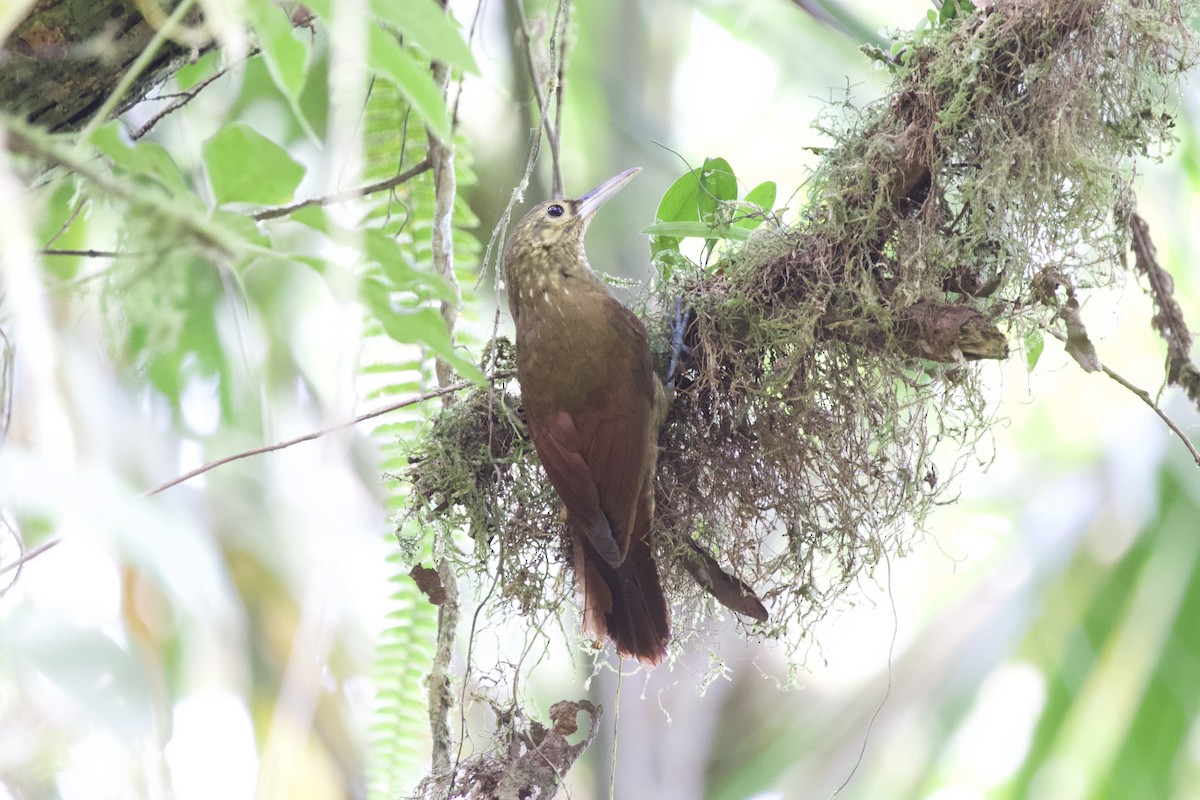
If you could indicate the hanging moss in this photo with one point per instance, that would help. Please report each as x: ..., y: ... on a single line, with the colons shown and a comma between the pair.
x: 828, y: 389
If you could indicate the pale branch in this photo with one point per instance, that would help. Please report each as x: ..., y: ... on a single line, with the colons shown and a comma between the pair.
x: 308, y: 437
x: 526, y: 44
x: 1145, y: 397
x: 29, y: 556
x: 349, y: 194
x: 440, y: 156
x: 8, y: 367
x: 441, y: 699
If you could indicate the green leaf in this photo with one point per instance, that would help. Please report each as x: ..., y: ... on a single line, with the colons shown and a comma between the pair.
x: 678, y: 204
x: 312, y: 216
x: 953, y: 9
x: 191, y: 74
x: 717, y: 185
x: 246, y: 167
x: 69, y: 229
x: 421, y: 325
x: 1034, y: 344
x: 762, y: 196
x: 286, y: 57
x: 388, y: 57
x: 140, y: 158
x: 428, y: 26
x: 684, y: 230
x: 399, y: 269
x: 242, y: 228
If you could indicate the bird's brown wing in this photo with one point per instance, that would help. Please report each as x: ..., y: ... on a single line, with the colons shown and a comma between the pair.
x: 564, y: 457
x: 597, y: 462
x: 621, y: 450
x: 616, y: 452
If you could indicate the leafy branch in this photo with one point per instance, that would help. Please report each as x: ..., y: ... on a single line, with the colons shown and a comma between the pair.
x: 31, y: 141
x: 348, y: 195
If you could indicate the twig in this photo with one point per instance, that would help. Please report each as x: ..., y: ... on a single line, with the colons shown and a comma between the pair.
x: 164, y: 32
x: 1145, y: 397
x: 25, y: 138
x: 349, y: 194
x: 546, y: 122
x: 421, y: 398
x: 558, y: 58
x: 48, y: 251
x: 1148, y: 400
x: 887, y: 689
x: 8, y: 364
x: 411, y: 401
x: 183, y: 98
x: 66, y: 225
x: 493, y: 253
x: 29, y: 556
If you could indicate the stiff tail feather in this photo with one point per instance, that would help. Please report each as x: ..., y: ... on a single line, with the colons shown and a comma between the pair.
x: 624, y: 603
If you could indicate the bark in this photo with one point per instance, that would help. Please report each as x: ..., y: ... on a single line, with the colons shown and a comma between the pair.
x: 65, y: 58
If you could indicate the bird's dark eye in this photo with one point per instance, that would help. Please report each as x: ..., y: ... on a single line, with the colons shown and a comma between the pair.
x: 555, y: 210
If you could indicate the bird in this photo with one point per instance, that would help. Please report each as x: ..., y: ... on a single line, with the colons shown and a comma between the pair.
x: 594, y: 406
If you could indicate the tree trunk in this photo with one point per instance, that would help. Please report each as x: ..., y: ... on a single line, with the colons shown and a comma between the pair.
x: 65, y: 58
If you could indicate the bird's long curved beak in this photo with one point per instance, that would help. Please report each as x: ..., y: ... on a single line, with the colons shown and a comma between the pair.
x: 590, y: 203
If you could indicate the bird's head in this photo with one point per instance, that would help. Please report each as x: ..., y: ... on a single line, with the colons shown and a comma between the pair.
x: 551, y: 234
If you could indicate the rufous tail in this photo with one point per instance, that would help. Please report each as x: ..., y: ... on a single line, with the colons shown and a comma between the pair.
x: 624, y: 603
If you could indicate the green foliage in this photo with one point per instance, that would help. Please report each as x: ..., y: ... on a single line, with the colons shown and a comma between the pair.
x: 286, y: 56
x: 1035, y: 343
x: 954, y: 9
x: 203, y: 301
x: 147, y: 160
x: 246, y: 167
x: 703, y: 203
x: 425, y: 24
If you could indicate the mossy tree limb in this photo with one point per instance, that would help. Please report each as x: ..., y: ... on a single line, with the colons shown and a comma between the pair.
x: 825, y: 391
x: 66, y: 57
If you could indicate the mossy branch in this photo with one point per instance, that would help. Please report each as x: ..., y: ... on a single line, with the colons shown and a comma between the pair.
x: 826, y: 388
